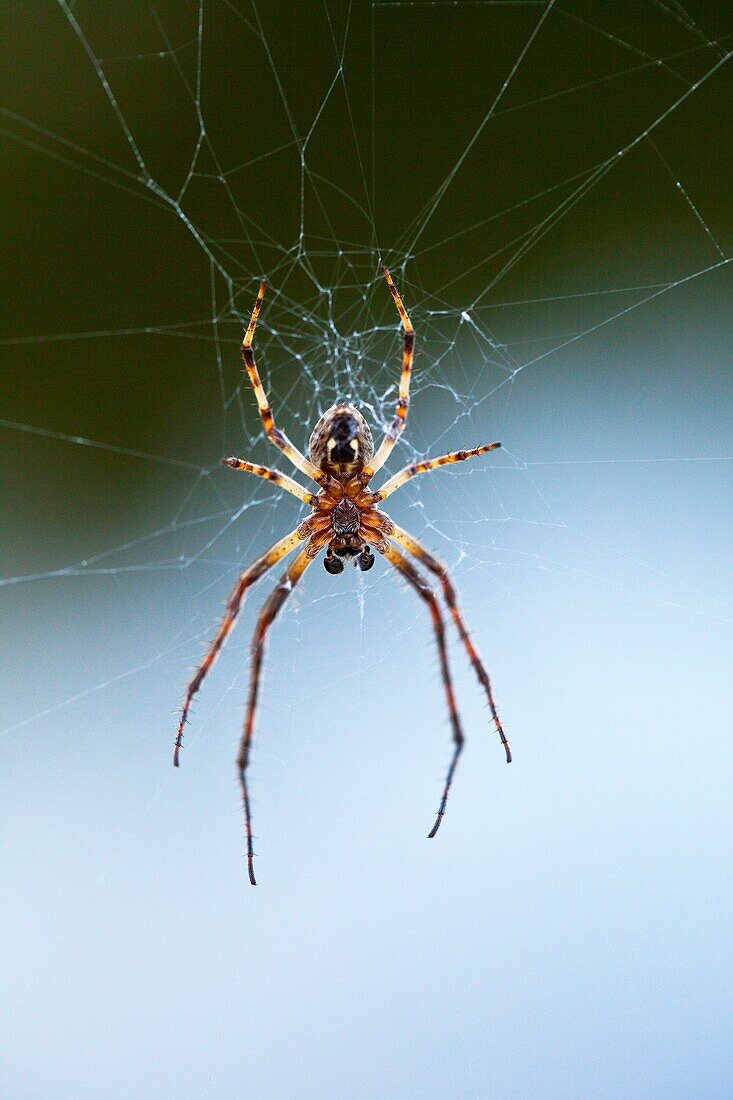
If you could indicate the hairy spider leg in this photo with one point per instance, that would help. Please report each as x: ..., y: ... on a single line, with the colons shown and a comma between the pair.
x: 395, y: 429
x: 271, y: 607
x: 246, y: 580
x: 275, y: 476
x: 423, y: 467
x: 425, y: 592
x: 274, y: 434
x: 407, y: 542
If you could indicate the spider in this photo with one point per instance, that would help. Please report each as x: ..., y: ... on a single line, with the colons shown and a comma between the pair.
x: 346, y: 521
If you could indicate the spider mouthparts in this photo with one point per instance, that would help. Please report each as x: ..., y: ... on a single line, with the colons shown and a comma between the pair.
x: 365, y: 559
x: 333, y: 564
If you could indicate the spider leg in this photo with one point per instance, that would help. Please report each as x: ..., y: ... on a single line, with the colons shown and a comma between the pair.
x: 415, y: 468
x: 275, y: 476
x: 395, y: 429
x: 271, y: 431
x: 436, y: 566
x: 271, y: 607
x: 248, y: 578
x: 425, y: 592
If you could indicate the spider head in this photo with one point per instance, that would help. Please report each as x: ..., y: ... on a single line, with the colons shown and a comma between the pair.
x: 341, y: 442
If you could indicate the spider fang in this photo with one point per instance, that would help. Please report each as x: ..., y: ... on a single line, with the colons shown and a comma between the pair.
x: 333, y: 564
x: 365, y: 559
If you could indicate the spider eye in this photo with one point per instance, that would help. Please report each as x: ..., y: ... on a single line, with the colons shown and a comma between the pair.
x: 333, y: 565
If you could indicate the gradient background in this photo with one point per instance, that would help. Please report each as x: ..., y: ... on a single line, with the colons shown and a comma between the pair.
x: 568, y: 933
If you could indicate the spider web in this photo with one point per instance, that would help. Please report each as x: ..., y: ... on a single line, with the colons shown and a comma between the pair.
x: 312, y: 146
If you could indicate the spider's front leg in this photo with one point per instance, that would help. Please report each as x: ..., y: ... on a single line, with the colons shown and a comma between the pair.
x: 234, y: 603
x: 436, y: 567
x: 272, y: 606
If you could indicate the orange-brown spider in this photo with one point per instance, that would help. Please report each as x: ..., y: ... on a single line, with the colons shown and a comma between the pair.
x: 344, y: 519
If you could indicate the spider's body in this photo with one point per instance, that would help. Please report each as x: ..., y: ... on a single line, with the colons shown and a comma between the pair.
x: 343, y: 513
x: 346, y: 522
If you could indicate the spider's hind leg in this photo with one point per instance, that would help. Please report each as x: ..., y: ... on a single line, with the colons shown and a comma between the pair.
x: 273, y: 433
x: 399, y: 420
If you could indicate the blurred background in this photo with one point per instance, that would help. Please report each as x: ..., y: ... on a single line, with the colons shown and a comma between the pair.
x: 550, y: 184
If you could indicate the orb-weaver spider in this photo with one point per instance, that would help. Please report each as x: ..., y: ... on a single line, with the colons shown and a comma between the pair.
x: 344, y: 519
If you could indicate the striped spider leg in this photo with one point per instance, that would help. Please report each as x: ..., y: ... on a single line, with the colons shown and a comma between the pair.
x: 273, y: 433
x: 398, y: 480
x: 425, y: 592
x: 404, y: 566
x: 396, y: 428
x: 281, y: 548
x: 411, y: 544
x: 417, y: 550
x: 407, y: 542
x: 275, y: 476
x: 271, y: 607
x: 234, y: 603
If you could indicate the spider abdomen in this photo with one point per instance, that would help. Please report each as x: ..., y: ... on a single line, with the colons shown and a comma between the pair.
x: 341, y: 442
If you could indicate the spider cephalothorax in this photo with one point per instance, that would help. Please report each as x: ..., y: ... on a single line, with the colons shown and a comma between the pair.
x: 344, y: 521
